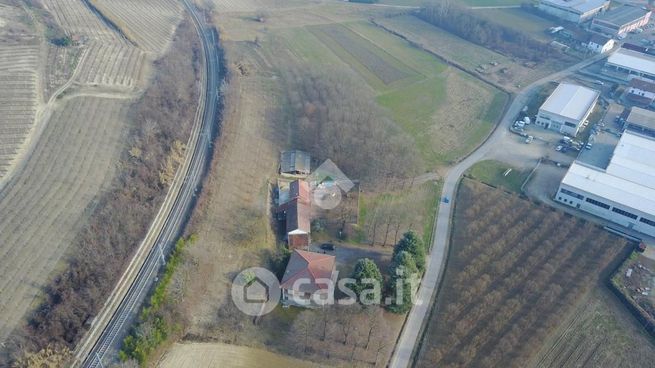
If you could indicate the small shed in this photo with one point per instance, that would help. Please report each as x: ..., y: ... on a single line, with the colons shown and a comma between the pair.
x: 295, y: 162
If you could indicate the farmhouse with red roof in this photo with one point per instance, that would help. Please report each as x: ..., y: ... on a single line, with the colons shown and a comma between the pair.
x: 308, y: 276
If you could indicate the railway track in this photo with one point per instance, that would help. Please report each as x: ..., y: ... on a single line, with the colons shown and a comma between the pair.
x: 126, y: 299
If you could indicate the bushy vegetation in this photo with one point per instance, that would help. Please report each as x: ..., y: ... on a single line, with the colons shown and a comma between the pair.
x: 119, y: 222
x: 407, y: 264
x: 366, y: 269
x: 515, y: 269
x: 158, y: 319
x: 472, y: 27
x: 335, y: 118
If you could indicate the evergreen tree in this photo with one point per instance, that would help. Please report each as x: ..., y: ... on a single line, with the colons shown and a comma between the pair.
x: 366, y: 269
x: 413, y: 245
x: 403, y: 268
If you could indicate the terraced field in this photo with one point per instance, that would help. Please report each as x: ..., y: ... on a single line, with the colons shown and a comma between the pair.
x: 116, y: 64
x: 45, y: 202
x: 148, y: 23
x: 77, y: 19
x: 18, y: 97
x: 80, y: 132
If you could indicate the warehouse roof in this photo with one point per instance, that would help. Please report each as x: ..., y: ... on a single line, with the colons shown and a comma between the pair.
x: 634, y: 60
x: 642, y: 117
x: 629, y: 178
x: 622, y: 15
x: 581, y: 6
x: 570, y: 101
x: 633, y: 159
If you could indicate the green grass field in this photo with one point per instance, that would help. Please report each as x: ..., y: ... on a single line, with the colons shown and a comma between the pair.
x: 521, y: 20
x: 492, y: 173
x: 444, y: 110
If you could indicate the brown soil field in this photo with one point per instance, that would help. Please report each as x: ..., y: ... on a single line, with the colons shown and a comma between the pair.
x: 600, y: 332
x: 20, y: 51
x: 198, y: 355
x: 45, y: 202
x: 148, y: 23
x: 515, y: 268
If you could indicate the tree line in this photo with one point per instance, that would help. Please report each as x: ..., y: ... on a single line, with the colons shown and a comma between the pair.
x: 465, y: 23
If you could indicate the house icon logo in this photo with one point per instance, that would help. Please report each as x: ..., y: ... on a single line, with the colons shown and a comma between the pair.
x: 255, y: 291
x: 327, y: 182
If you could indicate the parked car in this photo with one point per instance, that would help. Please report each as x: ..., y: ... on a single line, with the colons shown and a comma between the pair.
x: 529, y: 139
x: 327, y: 246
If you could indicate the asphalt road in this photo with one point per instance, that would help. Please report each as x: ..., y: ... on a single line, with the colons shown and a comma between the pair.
x: 128, y: 296
x: 403, y: 353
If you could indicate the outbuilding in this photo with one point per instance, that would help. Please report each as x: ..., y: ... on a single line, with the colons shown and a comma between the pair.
x: 566, y: 109
x: 600, y: 44
x: 295, y: 163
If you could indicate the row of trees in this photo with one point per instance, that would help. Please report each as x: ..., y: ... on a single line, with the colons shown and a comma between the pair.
x: 517, y: 268
x: 163, y: 115
x: 408, y: 263
x: 472, y: 27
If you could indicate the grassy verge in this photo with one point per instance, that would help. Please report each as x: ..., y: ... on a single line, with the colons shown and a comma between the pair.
x: 493, y: 173
x: 410, y: 209
x: 155, y: 324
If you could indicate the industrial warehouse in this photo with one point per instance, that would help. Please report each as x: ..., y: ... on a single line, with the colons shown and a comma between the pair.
x: 624, y: 192
x: 621, y: 20
x: 626, y: 64
x: 567, y: 108
x: 576, y: 11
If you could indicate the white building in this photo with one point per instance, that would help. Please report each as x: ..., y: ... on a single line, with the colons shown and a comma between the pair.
x: 641, y: 91
x: 641, y: 121
x: 576, y: 11
x: 567, y: 108
x: 633, y: 63
x: 624, y: 193
x: 600, y: 44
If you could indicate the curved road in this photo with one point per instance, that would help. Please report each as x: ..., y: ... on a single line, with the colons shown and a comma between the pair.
x: 125, y: 301
x: 404, y: 351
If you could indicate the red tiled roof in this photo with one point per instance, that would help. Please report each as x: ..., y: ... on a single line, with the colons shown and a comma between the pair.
x: 310, y: 266
x: 299, y: 189
x: 298, y: 216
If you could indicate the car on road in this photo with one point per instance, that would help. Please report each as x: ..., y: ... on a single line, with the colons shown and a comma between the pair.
x: 328, y: 246
x: 529, y: 139
x: 559, y: 148
x: 446, y: 200
x: 599, y: 82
